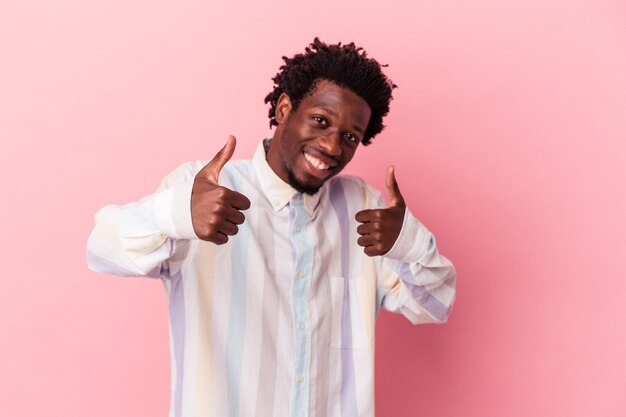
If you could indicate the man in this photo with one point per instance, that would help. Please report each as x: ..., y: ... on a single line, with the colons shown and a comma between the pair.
x: 275, y: 267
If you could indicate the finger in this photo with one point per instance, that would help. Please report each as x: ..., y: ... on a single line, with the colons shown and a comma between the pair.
x: 212, y: 170
x: 238, y: 200
x: 366, y: 228
x: 395, y: 197
x: 370, y: 215
x: 234, y: 216
x: 372, y: 250
x: 228, y: 228
x: 365, y: 241
x: 364, y: 216
x: 219, y: 238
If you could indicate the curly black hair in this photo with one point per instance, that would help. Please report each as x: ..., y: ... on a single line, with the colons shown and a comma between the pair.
x: 346, y: 66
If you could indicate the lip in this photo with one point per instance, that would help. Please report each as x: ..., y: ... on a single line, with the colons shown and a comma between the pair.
x: 332, y: 162
x: 318, y: 173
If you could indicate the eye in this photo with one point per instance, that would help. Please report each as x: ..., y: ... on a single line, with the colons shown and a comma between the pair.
x: 350, y: 137
x: 320, y: 120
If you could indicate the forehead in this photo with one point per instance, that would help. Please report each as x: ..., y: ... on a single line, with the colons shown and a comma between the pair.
x: 337, y: 100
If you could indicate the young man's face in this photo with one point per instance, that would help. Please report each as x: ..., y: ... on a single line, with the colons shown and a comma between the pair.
x: 317, y: 141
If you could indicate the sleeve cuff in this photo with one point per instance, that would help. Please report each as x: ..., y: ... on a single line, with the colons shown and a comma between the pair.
x: 413, y: 242
x: 172, y: 211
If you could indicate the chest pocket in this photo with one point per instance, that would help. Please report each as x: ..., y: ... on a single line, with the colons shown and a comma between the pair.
x: 352, y: 313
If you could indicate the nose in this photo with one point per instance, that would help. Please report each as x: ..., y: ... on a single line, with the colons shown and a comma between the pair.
x: 331, y: 144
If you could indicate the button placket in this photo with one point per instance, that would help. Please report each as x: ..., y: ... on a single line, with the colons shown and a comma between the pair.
x: 302, y: 271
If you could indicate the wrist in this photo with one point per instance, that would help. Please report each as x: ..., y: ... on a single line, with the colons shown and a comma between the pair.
x: 413, y: 241
x: 172, y: 211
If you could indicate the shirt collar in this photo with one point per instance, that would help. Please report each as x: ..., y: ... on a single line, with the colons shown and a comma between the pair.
x: 277, y: 191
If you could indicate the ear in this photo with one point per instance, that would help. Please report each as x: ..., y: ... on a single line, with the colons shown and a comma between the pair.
x: 283, y: 108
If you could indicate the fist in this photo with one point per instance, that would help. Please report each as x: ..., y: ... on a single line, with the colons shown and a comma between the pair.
x: 216, y: 210
x: 380, y: 228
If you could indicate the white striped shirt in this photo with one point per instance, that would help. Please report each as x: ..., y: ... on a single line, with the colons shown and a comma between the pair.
x: 279, y: 321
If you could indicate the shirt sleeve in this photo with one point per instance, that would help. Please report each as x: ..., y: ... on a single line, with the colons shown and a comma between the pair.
x: 417, y: 281
x: 138, y: 239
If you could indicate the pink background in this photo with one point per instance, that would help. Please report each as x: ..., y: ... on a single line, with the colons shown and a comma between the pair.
x: 508, y: 132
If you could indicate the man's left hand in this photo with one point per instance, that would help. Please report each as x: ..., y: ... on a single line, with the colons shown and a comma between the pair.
x: 381, y: 227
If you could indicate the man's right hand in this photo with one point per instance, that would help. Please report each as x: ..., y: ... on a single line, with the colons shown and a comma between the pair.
x: 216, y: 210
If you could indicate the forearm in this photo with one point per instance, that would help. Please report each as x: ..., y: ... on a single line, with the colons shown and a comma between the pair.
x: 420, y: 282
x: 125, y: 241
x: 137, y: 239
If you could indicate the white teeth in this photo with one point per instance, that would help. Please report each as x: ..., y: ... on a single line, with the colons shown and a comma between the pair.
x: 316, y: 162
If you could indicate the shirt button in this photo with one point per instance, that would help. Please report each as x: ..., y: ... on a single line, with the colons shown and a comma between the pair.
x: 301, y: 379
x: 301, y: 274
x: 301, y: 326
x: 297, y: 228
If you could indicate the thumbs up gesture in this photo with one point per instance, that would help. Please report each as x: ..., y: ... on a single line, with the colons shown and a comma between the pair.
x: 380, y: 228
x: 216, y: 210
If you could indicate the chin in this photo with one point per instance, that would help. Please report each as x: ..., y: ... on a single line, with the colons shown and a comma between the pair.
x: 300, y: 186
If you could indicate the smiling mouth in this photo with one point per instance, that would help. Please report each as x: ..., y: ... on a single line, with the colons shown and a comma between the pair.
x: 317, y: 163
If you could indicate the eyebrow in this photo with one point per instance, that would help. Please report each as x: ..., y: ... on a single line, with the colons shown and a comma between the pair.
x: 358, y: 129
x: 333, y: 113
x: 328, y: 110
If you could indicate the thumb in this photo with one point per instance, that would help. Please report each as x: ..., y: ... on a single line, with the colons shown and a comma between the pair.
x: 395, y: 197
x: 211, y: 171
